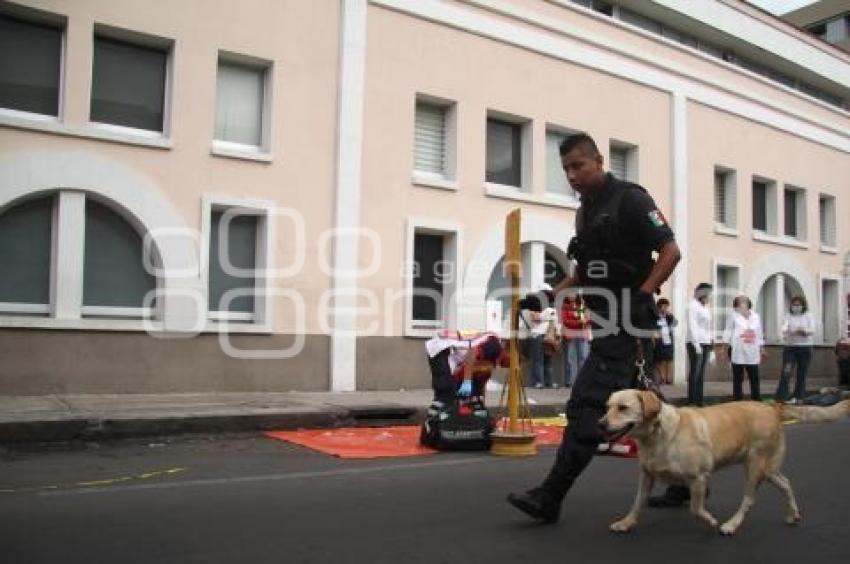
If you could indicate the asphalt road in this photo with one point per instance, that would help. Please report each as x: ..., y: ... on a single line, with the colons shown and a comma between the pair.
x: 249, y: 499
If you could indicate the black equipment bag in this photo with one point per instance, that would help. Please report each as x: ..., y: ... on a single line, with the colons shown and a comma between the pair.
x: 465, y: 424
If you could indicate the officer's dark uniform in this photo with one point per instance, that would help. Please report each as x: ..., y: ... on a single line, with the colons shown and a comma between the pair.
x: 620, y: 225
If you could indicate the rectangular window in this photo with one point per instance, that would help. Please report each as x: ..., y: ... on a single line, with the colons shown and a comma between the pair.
x: 764, y: 206
x: 622, y: 161
x: 240, y: 102
x: 30, y: 66
x: 640, y: 20
x: 837, y: 30
x: 760, y: 206
x: 128, y: 84
x: 830, y: 311
x: 428, y: 277
x: 556, y: 178
x: 725, y: 198
x: 826, y: 212
x: 232, y: 263
x: 431, y: 277
x: 795, y: 212
x: 598, y: 5
x: 504, y: 153
x: 429, y: 154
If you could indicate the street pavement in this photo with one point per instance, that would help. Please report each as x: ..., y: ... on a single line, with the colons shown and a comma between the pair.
x: 245, y: 498
x: 64, y: 417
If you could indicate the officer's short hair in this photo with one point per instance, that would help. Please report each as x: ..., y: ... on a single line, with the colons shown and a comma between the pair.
x: 582, y: 140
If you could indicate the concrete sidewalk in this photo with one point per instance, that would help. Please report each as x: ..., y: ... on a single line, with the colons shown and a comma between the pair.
x: 64, y: 417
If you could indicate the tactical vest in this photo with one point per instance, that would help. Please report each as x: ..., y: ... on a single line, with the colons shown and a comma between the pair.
x: 605, y: 257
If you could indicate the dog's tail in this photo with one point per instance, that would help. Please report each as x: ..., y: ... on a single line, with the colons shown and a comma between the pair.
x: 813, y: 413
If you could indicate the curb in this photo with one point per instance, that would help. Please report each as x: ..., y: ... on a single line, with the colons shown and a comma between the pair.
x: 106, y: 428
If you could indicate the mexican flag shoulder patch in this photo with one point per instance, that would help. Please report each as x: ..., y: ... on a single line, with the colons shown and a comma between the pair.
x: 657, y: 218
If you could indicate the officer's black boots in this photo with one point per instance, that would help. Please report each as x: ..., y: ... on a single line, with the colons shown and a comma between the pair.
x: 537, y: 505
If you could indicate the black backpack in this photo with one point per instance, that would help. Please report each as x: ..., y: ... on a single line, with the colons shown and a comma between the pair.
x: 464, y: 424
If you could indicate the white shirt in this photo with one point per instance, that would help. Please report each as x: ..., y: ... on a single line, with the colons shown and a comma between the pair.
x: 746, y: 337
x: 528, y: 326
x: 699, y: 323
x: 794, y: 323
x: 459, y: 347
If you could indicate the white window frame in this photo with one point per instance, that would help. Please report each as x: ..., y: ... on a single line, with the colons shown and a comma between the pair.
x: 67, y: 270
x: 800, y: 197
x: 452, y: 251
x: 632, y: 158
x: 261, y: 317
x: 526, y: 137
x: 132, y: 134
x: 263, y: 151
x: 716, y: 265
x: 825, y: 247
x: 730, y: 185
x: 448, y: 179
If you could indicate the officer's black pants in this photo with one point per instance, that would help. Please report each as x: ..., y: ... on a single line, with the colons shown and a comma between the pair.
x: 609, y: 367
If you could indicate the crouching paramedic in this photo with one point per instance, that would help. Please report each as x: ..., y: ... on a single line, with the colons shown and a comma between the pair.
x: 461, y: 363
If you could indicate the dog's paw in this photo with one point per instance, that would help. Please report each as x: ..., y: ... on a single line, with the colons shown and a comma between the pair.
x: 623, y: 525
x: 793, y: 519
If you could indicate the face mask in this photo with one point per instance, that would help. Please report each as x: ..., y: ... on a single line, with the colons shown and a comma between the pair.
x: 796, y: 309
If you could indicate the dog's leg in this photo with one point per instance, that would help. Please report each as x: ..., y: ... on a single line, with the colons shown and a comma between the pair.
x: 784, y: 485
x: 698, y: 489
x: 755, y: 475
x: 645, y: 483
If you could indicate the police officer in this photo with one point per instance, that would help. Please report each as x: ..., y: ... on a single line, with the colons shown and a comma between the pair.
x: 618, y: 226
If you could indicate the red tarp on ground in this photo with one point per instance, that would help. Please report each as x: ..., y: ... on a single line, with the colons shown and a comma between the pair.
x: 381, y: 442
x: 358, y: 442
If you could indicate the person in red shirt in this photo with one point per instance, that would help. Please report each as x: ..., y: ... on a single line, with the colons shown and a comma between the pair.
x: 576, y: 335
x: 461, y: 363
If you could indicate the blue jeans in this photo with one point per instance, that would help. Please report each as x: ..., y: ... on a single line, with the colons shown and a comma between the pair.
x: 697, y: 360
x: 541, y: 364
x: 791, y: 355
x: 575, y: 353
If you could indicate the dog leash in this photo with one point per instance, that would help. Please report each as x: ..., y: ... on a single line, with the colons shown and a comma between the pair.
x: 644, y: 382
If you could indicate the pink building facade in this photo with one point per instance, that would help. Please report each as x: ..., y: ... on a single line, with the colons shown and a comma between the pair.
x: 292, y: 195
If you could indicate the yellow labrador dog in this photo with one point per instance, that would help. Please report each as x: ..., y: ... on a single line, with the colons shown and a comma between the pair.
x: 685, y: 445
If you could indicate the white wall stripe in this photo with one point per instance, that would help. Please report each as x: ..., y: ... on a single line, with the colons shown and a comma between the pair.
x: 679, y: 197
x: 347, y: 207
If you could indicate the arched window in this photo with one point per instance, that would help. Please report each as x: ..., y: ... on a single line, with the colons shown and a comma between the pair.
x: 774, y: 301
x: 68, y: 255
x: 25, y: 256
x: 552, y: 270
